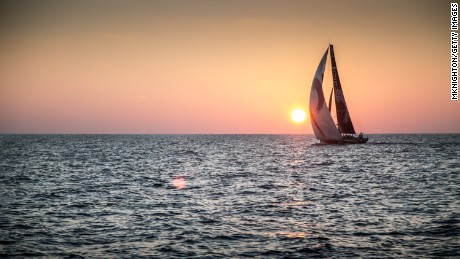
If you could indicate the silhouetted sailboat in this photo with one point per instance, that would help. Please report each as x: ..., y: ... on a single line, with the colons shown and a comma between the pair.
x: 320, y: 114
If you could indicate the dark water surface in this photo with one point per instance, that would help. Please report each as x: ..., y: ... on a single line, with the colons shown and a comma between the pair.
x: 266, y: 196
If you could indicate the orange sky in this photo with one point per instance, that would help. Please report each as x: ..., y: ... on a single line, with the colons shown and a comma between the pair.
x: 220, y: 66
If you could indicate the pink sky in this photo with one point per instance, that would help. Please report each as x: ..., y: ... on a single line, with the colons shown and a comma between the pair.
x: 221, y: 66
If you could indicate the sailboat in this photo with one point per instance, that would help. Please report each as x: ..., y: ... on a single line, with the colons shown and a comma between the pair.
x: 320, y: 113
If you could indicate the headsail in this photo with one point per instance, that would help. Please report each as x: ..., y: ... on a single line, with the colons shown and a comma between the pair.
x: 343, y: 116
x: 321, y: 120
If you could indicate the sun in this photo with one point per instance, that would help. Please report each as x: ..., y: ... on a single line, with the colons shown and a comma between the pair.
x: 298, y: 115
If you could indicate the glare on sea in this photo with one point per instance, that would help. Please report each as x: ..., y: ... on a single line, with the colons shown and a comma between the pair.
x: 179, y: 183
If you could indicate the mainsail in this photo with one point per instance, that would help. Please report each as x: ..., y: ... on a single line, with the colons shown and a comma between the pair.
x: 343, y: 116
x: 321, y: 120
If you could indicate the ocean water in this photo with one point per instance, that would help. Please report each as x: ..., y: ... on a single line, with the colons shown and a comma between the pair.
x: 220, y: 196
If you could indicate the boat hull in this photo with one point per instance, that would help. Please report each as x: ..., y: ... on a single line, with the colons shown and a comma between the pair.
x: 346, y: 141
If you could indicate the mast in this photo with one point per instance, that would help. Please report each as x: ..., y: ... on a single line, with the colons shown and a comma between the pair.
x: 330, y: 100
x: 343, y: 116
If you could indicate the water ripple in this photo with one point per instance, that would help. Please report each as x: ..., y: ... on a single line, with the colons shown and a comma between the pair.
x: 208, y: 196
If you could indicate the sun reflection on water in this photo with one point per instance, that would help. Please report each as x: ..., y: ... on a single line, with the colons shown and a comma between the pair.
x: 179, y: 183
x: 292, y: 235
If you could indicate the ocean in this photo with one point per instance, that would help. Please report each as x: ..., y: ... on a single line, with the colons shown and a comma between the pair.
x: 229, y: 196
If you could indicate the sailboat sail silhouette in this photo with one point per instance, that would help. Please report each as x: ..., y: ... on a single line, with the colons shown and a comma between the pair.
x: 320, y: 114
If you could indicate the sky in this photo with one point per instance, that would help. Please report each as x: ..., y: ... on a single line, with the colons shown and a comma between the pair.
x: 221, y: 67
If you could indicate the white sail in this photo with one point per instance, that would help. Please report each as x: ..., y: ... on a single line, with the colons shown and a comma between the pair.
x: 321, y: 120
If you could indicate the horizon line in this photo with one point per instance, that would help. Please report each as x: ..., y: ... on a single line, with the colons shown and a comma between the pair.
x: 312, y: 134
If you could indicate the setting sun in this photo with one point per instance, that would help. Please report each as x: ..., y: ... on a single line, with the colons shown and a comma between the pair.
x: 298, y: 115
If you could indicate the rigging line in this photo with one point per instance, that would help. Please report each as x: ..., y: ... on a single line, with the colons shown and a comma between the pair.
x: 328, y: 80
x: 330, y: 100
